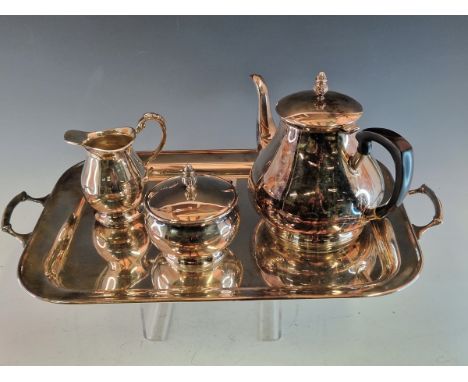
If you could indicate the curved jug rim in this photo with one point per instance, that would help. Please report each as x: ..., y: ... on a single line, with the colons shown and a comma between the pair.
x: 98, y: 141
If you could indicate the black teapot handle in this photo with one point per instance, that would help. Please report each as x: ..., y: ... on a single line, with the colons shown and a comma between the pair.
x: 402, y: 154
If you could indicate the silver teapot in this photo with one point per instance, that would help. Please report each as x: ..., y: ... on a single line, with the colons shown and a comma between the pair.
x: 314, y: 180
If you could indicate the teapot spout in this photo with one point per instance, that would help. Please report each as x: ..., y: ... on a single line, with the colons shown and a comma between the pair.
x: 76, y: 137
x: 266, y: 127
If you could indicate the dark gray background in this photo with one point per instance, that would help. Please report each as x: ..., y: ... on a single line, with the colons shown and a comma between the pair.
x: 90, y: 73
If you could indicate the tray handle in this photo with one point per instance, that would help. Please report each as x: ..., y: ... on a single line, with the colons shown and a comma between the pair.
x: 438, y: 213
x: 6, y: 224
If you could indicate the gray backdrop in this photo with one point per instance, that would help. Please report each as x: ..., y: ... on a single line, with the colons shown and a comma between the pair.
x: 409, y: 73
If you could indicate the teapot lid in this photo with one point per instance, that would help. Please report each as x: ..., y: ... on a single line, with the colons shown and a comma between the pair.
x: 191, y: 198
x: 320, y: 109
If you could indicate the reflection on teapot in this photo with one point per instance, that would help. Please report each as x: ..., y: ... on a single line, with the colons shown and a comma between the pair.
x: 125, y: 249
x: 372, y: 257
x: 307, y: 183
x: 221, y: 279
x: 113, y: 175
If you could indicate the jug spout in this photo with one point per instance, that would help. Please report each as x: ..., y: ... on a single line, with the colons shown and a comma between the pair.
x: 76, y: 137
x: 266, y: 127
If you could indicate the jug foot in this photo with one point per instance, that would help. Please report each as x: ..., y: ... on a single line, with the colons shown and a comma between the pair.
x: 118, y: 219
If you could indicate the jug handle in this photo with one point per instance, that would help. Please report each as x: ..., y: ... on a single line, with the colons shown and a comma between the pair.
x: 402, y: 154
x: 162, y: 124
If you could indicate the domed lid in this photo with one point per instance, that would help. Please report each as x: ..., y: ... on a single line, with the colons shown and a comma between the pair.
x: 191, y: 198
x: 320, y: 109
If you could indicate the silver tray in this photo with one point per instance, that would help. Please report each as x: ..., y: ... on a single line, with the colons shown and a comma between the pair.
x: 60, y: 263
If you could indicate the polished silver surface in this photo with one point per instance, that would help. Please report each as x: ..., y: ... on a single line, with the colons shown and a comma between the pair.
x: 310, y: 182
x: 125, y: 249
x: 266, y: 128
x: 319, y: 109
x: 313, y: 195
x: 192, y: 218
x: 113, y: 175
x: 61, y: 263
x: 6, y: 218
x: 220, y: 279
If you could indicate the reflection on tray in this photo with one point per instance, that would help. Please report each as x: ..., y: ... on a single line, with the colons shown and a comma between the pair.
x: 57, y: 256
x: 124, y: 248
x: 373, y: 257
x: 60, y: 263
x: 219, y: 280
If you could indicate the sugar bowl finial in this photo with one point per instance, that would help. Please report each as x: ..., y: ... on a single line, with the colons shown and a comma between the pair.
x: 189, y: 180
x: 321, y: 87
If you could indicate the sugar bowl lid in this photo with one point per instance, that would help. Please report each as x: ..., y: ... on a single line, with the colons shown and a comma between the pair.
x: 191, y: 198
x: 320, y: 109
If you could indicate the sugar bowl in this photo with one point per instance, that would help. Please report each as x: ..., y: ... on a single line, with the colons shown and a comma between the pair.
x: 192, y: 218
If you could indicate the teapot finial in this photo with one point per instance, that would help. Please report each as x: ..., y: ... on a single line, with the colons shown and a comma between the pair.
x: 321, y: 87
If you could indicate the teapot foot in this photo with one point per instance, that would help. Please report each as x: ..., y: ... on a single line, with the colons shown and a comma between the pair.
x: 282, y: 265
x: 314, y: 243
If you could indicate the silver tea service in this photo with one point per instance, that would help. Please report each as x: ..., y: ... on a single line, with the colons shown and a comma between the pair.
x: 331, y: 221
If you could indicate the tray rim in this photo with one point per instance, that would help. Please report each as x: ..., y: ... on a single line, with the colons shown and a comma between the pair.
x: 78, y: 297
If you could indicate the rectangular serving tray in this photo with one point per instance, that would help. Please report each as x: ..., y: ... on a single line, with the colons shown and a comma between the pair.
x: 61, y: 265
